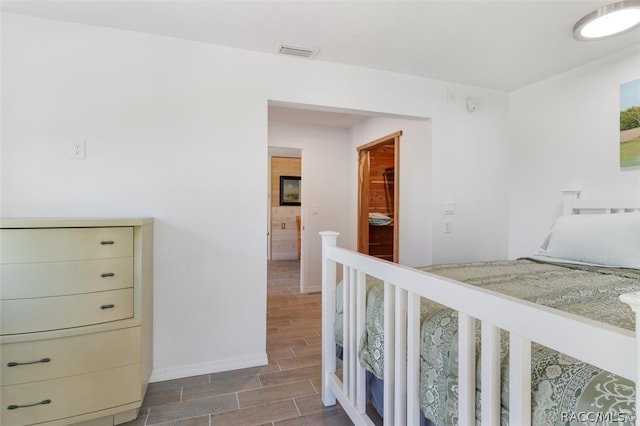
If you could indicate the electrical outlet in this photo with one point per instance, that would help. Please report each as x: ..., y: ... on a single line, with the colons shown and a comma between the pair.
x: 78, y: 150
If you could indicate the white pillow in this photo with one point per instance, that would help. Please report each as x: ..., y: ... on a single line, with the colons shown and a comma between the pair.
x: 603, y: 239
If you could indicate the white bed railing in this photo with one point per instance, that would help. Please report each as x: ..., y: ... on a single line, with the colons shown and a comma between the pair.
x: 586, y: 340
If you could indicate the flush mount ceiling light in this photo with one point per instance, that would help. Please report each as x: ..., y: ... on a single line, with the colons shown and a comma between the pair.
x: 607, y: 21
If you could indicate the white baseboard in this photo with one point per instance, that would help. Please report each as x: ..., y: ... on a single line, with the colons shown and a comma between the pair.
x: 161, y: 374
x: 314, y: 289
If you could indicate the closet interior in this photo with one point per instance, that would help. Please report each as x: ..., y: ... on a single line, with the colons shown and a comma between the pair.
x: 378, y: 197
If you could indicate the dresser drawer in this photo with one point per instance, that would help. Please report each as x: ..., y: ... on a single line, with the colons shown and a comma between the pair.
x: 70, y: 396
x: 48, y: 359
x: 53, y: 313
x: 25, y: 280
x: 63, y: 244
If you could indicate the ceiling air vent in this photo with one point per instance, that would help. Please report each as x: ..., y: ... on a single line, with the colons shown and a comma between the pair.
x: 297, y: 51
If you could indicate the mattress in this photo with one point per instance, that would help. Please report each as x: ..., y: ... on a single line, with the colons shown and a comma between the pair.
x: 562, y: 387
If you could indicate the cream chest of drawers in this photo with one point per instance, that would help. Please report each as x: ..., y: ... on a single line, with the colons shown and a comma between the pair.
x: 75, y: 320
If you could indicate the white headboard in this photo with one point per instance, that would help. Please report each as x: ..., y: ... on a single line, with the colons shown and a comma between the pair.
x: 572, y: 204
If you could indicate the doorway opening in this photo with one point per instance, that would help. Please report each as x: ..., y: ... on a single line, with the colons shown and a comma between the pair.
x: 378, y: 197
x: 285, y: 207
x: 326, y: 139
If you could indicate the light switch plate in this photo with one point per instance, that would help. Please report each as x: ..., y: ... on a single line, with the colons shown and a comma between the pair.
x: 449, y: 207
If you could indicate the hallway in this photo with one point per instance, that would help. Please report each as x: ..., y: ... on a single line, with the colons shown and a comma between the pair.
x: 284, y: 392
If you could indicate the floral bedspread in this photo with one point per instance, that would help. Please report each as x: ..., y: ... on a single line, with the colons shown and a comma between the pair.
x: 564, y: 390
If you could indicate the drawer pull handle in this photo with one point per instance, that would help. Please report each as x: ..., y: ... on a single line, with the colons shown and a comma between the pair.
x: 15, y: 406
x: 109, y: 306
x: 15, y: 364
x: 107, y: 243
x: 107, y: 274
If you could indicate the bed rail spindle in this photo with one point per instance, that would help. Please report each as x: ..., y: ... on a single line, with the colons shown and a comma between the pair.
x: 347, y: 349
x: 466, y: 370
x: 490, y: 375
x: 519, y: 380
x: 633, y: 300
x: 361, y: 378
x: 413, y: 359
x: 389, y: 359
x: 353, y: 342
x: 328, y: 365
x: 400, y: 370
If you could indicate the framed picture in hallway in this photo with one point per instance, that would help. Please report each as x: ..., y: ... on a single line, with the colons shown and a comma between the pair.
x: 290, y: 190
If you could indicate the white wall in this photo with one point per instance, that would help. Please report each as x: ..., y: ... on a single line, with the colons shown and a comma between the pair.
x: 177, y: 130
x: 415, y: 210
x: 565, y: 133
x: 470, y: 168
x: 325, y: 194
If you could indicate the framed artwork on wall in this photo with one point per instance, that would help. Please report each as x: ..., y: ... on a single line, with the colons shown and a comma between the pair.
x: 630, y: 124
x: 290, y: 190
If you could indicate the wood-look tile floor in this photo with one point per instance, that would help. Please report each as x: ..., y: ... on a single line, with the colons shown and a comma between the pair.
x: 284, y: 392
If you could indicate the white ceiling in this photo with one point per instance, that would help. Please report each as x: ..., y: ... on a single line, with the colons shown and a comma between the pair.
x: 502, y: 45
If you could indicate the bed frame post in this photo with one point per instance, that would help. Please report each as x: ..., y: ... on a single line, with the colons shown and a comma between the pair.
x: 633, y: 300
x: 329, y: 239
x: 569, y: 196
